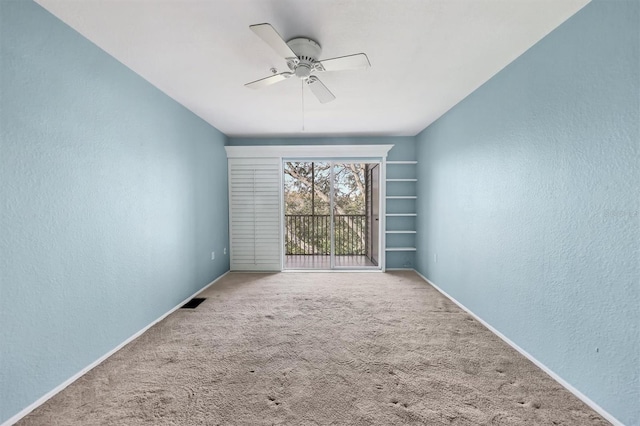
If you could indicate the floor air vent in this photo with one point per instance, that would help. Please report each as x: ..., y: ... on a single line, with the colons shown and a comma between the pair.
x: 193, y: 303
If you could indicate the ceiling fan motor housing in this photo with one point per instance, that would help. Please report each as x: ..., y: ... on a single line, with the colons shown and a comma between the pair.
x: 308, y: 52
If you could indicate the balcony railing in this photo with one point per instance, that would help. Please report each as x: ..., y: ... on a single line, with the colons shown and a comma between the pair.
x: 311, y: 234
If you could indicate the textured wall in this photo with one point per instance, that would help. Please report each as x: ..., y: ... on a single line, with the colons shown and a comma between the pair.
x: 530, y: 199
x: 404, y: 149
x: 112, y: 198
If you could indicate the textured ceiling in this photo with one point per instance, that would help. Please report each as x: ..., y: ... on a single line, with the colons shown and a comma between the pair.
x: 426, y: 56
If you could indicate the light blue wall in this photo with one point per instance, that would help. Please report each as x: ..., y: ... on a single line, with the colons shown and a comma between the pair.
x: 404, y: 149
x: 530, y: 197
x: 112, y: 198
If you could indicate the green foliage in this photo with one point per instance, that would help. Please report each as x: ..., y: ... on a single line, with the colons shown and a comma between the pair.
x: 307, y: 189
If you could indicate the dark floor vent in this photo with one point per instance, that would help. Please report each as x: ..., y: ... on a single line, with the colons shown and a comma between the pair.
x: 193, y: 303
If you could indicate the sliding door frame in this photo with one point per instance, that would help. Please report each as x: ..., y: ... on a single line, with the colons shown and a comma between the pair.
x: 332, y: 228
x: 333, y: 161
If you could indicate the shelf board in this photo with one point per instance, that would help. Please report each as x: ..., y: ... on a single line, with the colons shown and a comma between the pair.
x: 401, y: 197
x: 402, y: 162
x: 401, y: 214
x: 400, y: 249
x: 400, y: 232
x: 402, y: 180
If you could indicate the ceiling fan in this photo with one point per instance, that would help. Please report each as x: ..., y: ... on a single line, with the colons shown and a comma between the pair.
x: 301, y: 54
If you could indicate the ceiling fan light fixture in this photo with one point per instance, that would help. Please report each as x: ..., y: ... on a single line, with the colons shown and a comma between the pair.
x: 303, y: 71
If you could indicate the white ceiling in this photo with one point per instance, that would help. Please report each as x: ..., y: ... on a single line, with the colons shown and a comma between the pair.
x: 426, y: 56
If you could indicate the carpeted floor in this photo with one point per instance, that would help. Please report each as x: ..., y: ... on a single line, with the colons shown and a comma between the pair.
x: 317, y: 349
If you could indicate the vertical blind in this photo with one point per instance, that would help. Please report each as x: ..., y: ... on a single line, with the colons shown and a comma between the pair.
x: 254, y: 198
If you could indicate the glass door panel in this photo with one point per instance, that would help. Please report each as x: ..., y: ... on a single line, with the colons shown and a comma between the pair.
x: 351, y: 216
x: 307, y: 215
x: 331, y: 215
x: 372, y: 172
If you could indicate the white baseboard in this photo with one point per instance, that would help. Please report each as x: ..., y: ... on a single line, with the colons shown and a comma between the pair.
x: 61, y: 386
x: 540, y: 365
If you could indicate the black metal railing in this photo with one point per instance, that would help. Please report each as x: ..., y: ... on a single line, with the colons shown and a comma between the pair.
x: 311, y: 234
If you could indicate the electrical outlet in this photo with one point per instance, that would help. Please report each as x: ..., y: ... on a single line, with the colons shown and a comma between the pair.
x: 213, y: 255
x: 225, y: 250
x: 435, y: 257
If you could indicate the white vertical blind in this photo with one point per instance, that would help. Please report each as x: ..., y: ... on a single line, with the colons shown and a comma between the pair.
x: 254, y: 214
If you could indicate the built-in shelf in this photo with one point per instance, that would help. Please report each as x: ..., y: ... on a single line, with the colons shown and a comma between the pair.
x: 402, y: 238
x: 402, y: 162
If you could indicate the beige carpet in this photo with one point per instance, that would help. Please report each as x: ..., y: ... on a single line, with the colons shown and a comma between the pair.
x: 317, y: 349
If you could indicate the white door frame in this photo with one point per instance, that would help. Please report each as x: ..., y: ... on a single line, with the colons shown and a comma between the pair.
x: 381, y: 205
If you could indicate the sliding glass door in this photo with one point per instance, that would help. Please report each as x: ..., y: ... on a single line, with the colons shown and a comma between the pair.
x: 331, y: 215
x: 307, y: 215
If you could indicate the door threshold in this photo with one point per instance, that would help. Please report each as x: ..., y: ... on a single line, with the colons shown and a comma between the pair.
x: 333, y: 270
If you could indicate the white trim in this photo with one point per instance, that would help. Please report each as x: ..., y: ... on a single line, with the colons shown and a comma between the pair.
x: 530, y: 357
x: 401, y: 232
x: 400, y: 249
x: 281, y: 236
x: 308, y: 151
x: 402, y: 197
x: 44, y: 398
x: 402, y: 162
x: 402, y: 180
x: 401, y: 214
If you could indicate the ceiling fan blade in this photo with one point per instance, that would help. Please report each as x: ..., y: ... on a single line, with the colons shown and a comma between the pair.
x: 270, y: 36
x: 268, y: 81
x: 350, y: 62
x: 321, y: 92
